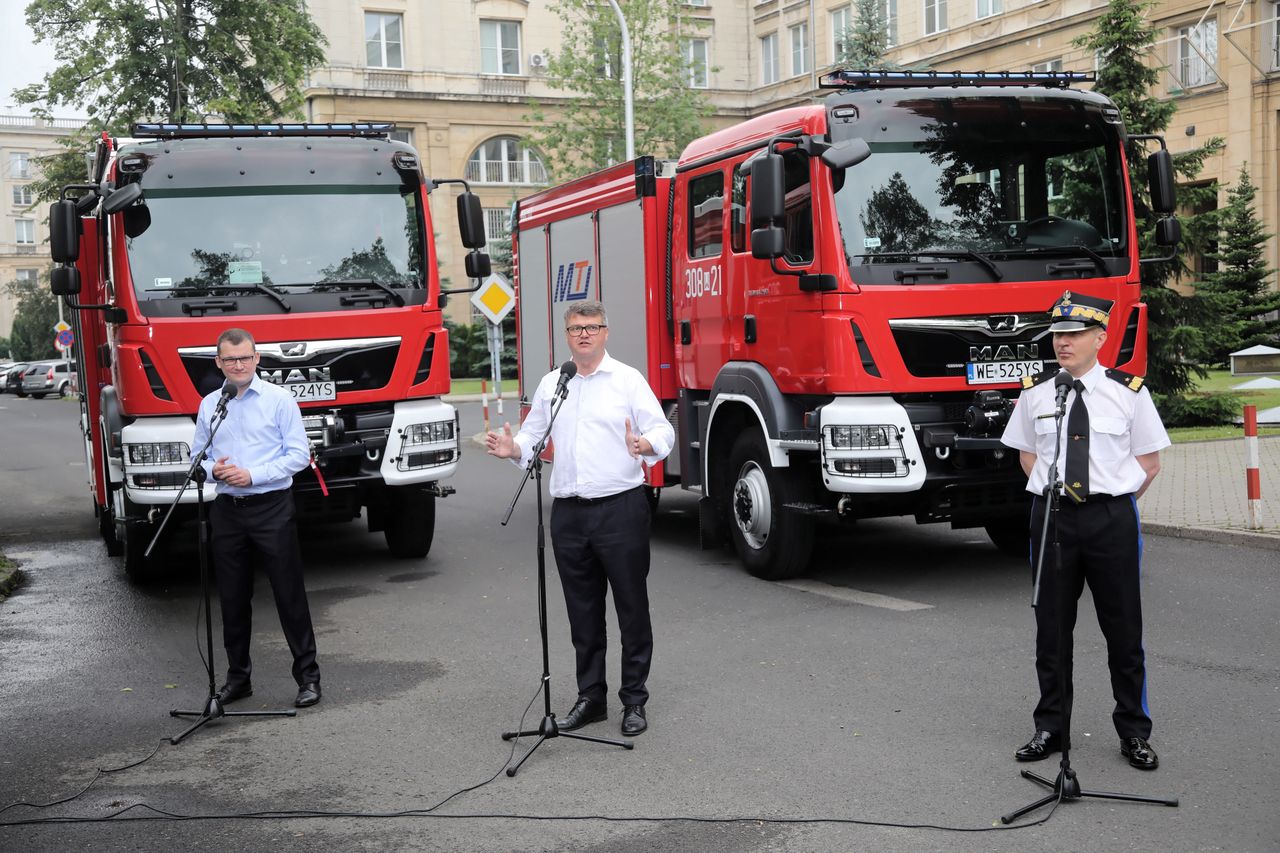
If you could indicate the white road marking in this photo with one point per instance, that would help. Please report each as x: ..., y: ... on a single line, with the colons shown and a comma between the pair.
x: 855, y: 596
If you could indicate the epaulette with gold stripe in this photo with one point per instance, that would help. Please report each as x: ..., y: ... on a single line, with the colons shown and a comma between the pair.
x: 1128, y: 380
x: 1042, y: 376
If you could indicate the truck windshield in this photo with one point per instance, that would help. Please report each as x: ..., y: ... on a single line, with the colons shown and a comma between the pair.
x: 290, y: 240
x: 1003, y: 177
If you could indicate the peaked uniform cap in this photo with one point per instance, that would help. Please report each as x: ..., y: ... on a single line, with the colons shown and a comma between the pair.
x: 1076, y: 311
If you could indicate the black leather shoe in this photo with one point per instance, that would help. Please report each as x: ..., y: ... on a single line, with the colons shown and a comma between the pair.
x: 229, y: 693
x: 308, y: 695
x: 1039, y: 747
x: 584, y: 711
x: 1139, y: 753
x: 633, y: 722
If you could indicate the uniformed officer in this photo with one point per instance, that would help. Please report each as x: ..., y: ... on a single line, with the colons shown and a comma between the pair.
x: 1110, y: 453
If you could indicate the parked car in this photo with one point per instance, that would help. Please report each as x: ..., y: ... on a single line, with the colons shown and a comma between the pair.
x: 51, y: 377
x: 11, y: 376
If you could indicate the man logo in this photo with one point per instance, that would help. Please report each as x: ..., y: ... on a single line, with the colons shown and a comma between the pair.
x: 1003, y: 322
x: 573, y: 281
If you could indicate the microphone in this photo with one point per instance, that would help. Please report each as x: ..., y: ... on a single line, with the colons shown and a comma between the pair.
x: 228, y: 391
x: 567, y: 371
x: 1063, y: 383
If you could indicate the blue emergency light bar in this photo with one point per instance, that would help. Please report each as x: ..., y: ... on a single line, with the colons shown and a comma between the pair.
x: 841, y: 79
x: 199, y: 131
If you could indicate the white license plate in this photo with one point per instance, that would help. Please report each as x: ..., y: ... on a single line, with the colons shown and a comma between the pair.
x: 993, y: 372
x: 305, y: 391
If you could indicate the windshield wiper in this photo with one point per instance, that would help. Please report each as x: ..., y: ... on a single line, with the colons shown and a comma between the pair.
x: 941, y: 253
x: 1059, y: 251
x: 218, y: 289
x: 365, y: 283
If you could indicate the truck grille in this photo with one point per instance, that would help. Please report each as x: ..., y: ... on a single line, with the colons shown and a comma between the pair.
x: 353, y: 364
x: 941, y: 346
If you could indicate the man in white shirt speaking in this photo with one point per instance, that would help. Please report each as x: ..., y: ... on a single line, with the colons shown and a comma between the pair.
x: 610, y: 423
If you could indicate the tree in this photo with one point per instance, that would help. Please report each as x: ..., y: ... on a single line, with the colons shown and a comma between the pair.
x: 31, y: 337
x: 125, y: 61
x: 1240, y: 288
x: 1121, y: 40
x: 587, y: 132
x: 863, y: 44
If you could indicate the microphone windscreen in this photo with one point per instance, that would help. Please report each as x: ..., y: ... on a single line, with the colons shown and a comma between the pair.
x: 569, y: 369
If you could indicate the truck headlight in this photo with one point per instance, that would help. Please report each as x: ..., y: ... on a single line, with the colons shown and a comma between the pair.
x: 158, y: 453
x: 860, y: 437
x: 428, y: 433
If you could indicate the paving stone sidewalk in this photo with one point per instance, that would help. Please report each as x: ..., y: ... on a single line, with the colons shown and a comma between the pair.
x: 1200, y: 493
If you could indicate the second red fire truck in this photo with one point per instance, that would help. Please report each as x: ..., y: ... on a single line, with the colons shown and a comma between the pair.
x: 836, y: 302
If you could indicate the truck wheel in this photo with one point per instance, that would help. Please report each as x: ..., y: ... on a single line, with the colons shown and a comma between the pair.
x: 135, y: 539
x: 772, y: 542
x: 107, y: 527
x: 410, y: 521
x: 1010, y: 537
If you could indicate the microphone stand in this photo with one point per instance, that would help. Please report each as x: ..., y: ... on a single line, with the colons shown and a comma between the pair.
x: 548, y: 728
x: 213, y: 705
x: 1066, y: 787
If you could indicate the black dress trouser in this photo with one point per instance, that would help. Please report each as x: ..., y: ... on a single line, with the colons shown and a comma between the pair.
x: 261, y: 531
x: 599, y: 545
x: 1101, y: 543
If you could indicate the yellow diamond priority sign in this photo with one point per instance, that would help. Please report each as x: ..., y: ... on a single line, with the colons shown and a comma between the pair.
x: 495, y: 298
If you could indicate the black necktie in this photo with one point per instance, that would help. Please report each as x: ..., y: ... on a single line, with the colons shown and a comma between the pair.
x: 1076, y: 483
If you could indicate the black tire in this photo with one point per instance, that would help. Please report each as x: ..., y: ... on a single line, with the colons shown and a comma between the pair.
x: 37, y: 396
x: 107, y: 514
x: 64, y: 390
x: 410, y: 521
x: 1010, y: 537
x: 773, y: 543
x: 134, y: 537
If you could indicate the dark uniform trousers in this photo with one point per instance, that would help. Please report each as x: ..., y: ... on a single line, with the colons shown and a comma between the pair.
x: 1102, y: 544
x: 261, y: 530
x: 598, y: 544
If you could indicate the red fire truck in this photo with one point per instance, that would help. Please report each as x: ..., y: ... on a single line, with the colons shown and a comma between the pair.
x: 836, y: 302
x: 314, y: 238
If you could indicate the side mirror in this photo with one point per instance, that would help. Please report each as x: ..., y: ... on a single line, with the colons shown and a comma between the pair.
x: 767, y: 188
x: 471, y: 221
x: 1168, y: 232
x: 64, y: 232
x: 767, y: 242
x: 846, y: 153
x: 121, y: 198
x: 1161, y: 181
x: 477, y: 265
x: 64, y: 281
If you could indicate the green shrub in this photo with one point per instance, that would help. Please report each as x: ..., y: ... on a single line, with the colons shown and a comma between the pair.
x: 1197, y: 409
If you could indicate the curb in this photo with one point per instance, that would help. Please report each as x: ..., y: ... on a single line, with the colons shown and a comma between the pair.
x: 10, y: 579
x: 1222, y: 536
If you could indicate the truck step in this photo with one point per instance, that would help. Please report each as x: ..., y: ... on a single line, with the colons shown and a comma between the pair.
x: 808, y: 508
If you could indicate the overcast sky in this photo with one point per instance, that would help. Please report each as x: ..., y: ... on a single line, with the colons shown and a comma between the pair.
x: 21, y: 60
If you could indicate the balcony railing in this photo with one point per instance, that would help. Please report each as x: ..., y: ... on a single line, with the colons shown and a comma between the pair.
x: 500, y: 85
x: 397, y: 81
x: 508, y: 172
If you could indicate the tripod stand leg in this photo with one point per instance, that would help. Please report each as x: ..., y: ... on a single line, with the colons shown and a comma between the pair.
x: 512, y: 770
x: 625, y: 744
x: 1043, y: 801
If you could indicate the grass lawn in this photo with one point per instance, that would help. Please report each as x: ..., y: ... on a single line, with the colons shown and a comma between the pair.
x: 472, y: 386
x: 1222, y: 382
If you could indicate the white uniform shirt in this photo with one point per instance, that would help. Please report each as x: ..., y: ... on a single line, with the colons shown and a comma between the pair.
x: 1122, y: 426
x: 589, y: 435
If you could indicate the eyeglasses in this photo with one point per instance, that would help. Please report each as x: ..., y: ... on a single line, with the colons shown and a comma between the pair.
x: 230, y: 360
x: 588, y: 330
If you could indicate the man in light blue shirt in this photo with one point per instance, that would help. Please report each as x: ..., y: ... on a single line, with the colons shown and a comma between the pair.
x: 256, y: 451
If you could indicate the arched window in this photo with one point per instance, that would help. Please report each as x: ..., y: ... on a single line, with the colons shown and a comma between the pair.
x: 505, y: 160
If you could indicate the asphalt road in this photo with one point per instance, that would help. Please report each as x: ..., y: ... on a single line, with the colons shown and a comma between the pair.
x: 806, y: 701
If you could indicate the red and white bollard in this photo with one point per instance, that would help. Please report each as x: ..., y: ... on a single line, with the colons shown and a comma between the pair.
x: 1253, y: 480
x: 484, y: 403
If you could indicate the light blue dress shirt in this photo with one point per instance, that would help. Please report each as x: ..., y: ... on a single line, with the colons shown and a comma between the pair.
x: 262, y: 432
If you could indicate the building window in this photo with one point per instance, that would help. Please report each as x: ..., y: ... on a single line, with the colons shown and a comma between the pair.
x: 891, y: 22
x: 1198, y: 54
x: 22, y: 195
x: 799, y: 50
x: 27, y: 277
x: 19, y: 164
x: 26, y: 232
x: 383, y: 40
x: 1053, y: 66
x: 769, y: 59
x: 1273, y: 33
x: 706, y: 216
x: 403, y: 134
x: 987, y: 8
x: 505, y: 160
x: 608, y: 57
x: 695, y: 2
x: 935, y: 16
x: 695, y: 54
x: 841, y: 19
x: 496, y: 230
x: 500, y: 47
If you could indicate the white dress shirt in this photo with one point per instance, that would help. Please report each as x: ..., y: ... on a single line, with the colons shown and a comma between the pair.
x: 263, y: 432
x: 589, y: 435
x: 1122, y: 426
